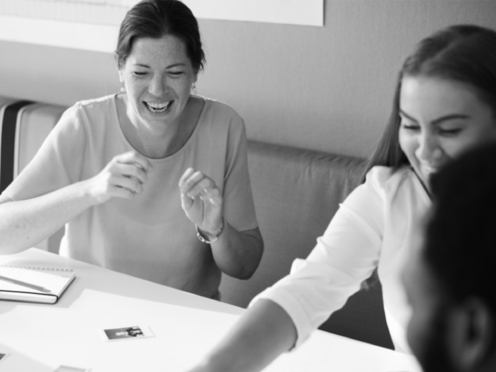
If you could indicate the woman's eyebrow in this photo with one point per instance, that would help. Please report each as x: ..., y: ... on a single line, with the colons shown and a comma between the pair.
x: 179, y: 64
x: 438, y: 120
x: 403, y: 113
x: 450, y: 117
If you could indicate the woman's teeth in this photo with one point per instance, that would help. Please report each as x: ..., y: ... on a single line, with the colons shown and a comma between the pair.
x: 158, y: 107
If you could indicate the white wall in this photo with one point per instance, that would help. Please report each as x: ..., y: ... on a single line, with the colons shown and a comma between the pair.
x: 325, y: 88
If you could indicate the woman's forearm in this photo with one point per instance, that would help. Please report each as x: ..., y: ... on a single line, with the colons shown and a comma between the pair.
x: 25, y: 223
x: 262, y: 333
x: 238, y: 253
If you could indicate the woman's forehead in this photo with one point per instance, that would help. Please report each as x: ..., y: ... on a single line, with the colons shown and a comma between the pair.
x: 165, y: 50
x: 441, y: 96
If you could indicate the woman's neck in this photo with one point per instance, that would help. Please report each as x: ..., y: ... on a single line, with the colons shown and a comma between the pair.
x: 167, y: 142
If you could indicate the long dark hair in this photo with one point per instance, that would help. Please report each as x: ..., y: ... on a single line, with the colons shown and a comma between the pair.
x: 464, y: 53
x: 157, y: 18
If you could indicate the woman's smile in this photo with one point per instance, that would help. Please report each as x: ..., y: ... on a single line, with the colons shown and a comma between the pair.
x: 158, y: 76
x: 440, y: 120
x: 158, y: 107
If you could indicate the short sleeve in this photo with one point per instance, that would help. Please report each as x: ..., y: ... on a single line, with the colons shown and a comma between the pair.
x: 343, y: 258
x: 239, y: 207
x: 56, y: 164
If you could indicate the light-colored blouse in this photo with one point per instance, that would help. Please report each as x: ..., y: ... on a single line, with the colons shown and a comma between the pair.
x: 374, y: 227
x: 149, y: 237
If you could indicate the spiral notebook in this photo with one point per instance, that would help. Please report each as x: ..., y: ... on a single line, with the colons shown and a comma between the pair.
x: 34, y: 284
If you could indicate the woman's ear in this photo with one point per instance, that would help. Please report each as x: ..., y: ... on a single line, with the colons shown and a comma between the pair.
x: 470, y: 328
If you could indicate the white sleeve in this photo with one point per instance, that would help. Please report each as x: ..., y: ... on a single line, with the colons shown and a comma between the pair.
x: 343, y: 258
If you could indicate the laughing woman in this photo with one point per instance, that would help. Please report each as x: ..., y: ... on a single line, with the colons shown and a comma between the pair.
x: 153, y: 181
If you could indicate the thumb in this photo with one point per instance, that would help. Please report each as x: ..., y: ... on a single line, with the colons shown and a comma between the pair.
x: 186, y: 201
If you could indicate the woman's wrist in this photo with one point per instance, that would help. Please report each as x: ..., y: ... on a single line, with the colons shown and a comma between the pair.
x: 210, y: 237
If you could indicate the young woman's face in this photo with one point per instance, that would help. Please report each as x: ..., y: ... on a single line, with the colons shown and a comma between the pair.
x: 158, y: 76
x: 440, y: 119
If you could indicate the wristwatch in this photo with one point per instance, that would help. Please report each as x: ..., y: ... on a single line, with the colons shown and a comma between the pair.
x: 205, y: 239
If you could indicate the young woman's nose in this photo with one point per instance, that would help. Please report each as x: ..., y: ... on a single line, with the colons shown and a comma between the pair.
x: 428, y: 148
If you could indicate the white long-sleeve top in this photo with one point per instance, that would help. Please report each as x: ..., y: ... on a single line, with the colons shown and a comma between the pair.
x: 374, y: 227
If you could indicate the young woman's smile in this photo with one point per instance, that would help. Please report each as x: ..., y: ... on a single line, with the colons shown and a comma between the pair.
x: 440, y: 119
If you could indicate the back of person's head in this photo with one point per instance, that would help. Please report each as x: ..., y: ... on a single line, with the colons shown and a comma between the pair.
x: 461, y: 53
x: 460, y: 242
x: 459, y: 252
x: 158, y: 18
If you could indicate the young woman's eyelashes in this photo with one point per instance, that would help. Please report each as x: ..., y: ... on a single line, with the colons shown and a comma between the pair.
x: 443, y: 129
x: 447, y: 132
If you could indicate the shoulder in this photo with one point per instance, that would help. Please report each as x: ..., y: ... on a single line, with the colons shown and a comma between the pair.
x: 395, y: 186
x: 97, y: 104
x: 221, y: 112
x: 220, y: 121
x: 218, y: 106
x: 89, y: 113
x: 383, y: 191
x: 91, y: 106
x: 388, y: 179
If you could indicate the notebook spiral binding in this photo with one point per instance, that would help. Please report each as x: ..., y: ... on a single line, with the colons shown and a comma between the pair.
x: 40, y: 268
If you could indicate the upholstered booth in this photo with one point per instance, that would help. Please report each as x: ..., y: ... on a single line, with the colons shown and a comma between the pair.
x: 296, y: 194
x: 24, y: 126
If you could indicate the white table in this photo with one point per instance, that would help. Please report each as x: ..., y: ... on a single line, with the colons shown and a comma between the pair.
x: 42, y: 337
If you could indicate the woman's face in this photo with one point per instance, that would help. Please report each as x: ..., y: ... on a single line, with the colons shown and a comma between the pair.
x: 158, y: 76
x: 440, y: 119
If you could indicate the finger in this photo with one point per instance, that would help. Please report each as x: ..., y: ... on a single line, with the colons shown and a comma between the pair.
x: 189, y: 180
x: 133, y: 171
x: 123, y: 193
x: 132, y: 157
x: 205, y: 188
x: 128, y: 183
x: 186, y: 202
x: 187, y: 174
x: 213, y: 196
x: 197, y: 185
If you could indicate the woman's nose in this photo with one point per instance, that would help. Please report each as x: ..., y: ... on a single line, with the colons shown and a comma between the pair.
x: 158, y: 86
x: 428, y: 148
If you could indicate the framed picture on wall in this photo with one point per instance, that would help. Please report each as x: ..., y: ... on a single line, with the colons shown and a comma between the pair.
x: 93, y: 24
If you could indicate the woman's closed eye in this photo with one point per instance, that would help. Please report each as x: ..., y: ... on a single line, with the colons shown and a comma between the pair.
x: 175, y: 73
x: 410, y: 126
x: 449, y: 131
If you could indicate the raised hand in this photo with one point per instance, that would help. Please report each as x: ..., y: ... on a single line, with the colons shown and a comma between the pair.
x: 201, y: 200
x: 123, y: 177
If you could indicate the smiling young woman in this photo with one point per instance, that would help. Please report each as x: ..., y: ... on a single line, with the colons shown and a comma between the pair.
x: 151, y: 181
x: 444, y: 105
x: 440, y: 120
